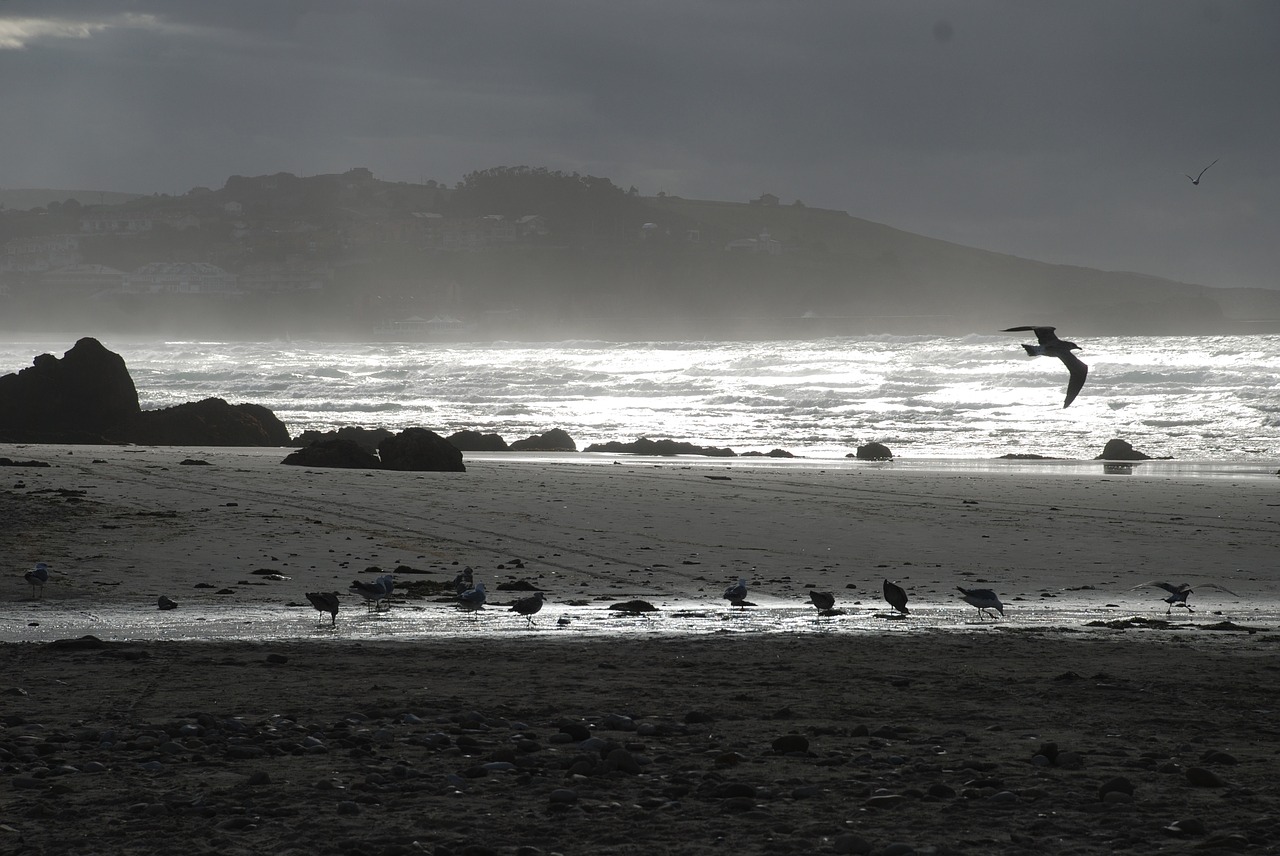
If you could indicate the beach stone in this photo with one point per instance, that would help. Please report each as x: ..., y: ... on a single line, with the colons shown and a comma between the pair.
x: 1119, y: 785
x: 339, y: 454
x: 1121, y: 450
x: 849, y: 842
x: 873, y: 452
x: 1201, y: 778
x: 277, y: 658
x: 473, y: 441
x: 1187, y: 826
x: 563, y: 796
x: 348, y: 807
x: 789, y: 743
x: 166, y: 603
x: 1216, y: 756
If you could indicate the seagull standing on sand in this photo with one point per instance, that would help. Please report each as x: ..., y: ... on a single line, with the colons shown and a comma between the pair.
x: 376, y: 592
x: 473, y: 598
x: 983, y: 599
x: 1178, y: 594
x: 896, y: 597
x: 37, y: 576
x: 737, y: 594
x: 325, y: 601
x: 825, y: 601
x: 1051, y: 346
x: 1196, y: 180
x: 527, y: 606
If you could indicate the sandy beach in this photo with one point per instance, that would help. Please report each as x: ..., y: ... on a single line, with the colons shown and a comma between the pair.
x: 1085, y: 720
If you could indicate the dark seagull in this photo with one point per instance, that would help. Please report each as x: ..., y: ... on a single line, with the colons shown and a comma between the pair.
x: 527, y: 606
x: 1051, y: 346
x: 1196, y: 180
x: 325, y: 601
x: 896, y: 597
x: 983, y: 599
x: 736, y: 594
x: 1178, y: 594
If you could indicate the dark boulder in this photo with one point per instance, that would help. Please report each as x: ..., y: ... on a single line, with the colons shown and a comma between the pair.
x: 645, y: 446
x: 420, y: 450
x: 78, y: 398
x: 366, y: 438
x: 474, y: 441
x: 874, y: 452
x: 554, y: 440
x: 211, y: 422
x: 344, y: 454
x: 1121, y: 450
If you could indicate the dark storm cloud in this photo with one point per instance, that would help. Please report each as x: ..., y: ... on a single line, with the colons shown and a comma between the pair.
x: 1052, y: 130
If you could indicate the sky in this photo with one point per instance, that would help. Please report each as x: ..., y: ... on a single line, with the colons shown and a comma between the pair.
x: 1059, y: 131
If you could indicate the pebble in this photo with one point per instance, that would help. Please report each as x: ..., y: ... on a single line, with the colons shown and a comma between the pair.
x: 848, y: 842
x: 1201, y: 778
x: 563, y: 796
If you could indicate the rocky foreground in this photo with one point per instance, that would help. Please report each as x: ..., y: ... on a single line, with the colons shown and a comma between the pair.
x: 899, y: 743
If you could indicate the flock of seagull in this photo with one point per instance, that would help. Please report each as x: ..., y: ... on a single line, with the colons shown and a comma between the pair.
x: 470, y: 596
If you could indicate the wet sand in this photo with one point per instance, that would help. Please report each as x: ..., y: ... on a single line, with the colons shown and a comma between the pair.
x: 921, y: 731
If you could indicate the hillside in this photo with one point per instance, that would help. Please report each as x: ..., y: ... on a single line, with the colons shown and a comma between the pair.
x: 529, y: 253
x: 23, y: 200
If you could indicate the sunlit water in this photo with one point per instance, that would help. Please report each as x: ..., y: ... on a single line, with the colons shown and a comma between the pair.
x: 1214, y: 398
x: 42, y: 622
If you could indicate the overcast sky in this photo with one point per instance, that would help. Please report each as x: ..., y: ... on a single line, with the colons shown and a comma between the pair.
x: 1052, y: 130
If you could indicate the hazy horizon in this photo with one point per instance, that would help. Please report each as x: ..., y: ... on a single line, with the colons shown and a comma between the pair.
x: 1055, y: 131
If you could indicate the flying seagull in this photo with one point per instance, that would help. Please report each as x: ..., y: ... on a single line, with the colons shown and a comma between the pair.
x: 1051, y: 346
x: 896, y: 596
x: 527, y: 606
x: 1178, y: 594
x: 37, y: 576
x: 737, y: 594
x: 325, y: 601
x: 983, y: 599
x: 1196, y: 180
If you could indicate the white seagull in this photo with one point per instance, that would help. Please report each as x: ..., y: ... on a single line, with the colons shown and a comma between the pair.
x: 1051, y: 346
x: 737, y: 594
x: 376, y: 592
x: 983, y: 599
x: 1178, y: 594
x: 37, y: 576
x: 473, y: 598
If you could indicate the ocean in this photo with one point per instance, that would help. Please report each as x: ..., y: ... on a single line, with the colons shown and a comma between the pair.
x: 1198, y: 398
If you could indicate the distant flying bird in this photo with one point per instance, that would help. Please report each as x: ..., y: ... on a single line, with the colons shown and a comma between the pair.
x: 824, y: 601
x: 1196, y: 180
x: 896, y: 596
x: 737, y: 594
x: 983, y: 599
x: 325, y: 601
x: 37, y: 576
x: 527, y: 606
x: 1178, y: 594
x: 1051, y: 346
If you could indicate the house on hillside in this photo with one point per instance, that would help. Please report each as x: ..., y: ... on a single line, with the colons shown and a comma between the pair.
x: 762, y: 243
x: 82, y: 281
x: 112, y: 222
x: 180, y: 278
x: 39, y: 253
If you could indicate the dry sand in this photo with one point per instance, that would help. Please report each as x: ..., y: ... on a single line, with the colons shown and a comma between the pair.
x: 920, y: 732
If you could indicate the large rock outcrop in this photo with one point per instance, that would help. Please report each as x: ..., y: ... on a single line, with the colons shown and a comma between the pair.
x: 420, y: 450
x: 342, y: 454
x: 89, y: 397
x: 81, y: 398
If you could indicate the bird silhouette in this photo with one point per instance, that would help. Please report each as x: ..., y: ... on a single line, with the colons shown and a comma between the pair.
x: 37, y: 577
x: 896, y: 597
x: 325, y: 601
x: 473, y: 598
x: 527, y: 606
x: 376, y: 592
x: 1196, y: 180
x: 824, y: 602
x: 1051, y: 346
x: 983, y: 599
x: 737, y: 594
x: 1178, y: 594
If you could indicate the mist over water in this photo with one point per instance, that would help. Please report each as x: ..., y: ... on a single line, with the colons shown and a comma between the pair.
x: 978, y: 396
